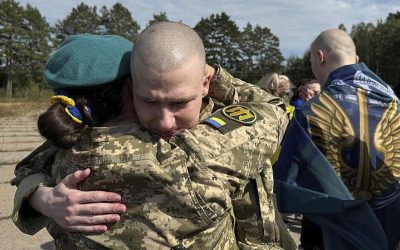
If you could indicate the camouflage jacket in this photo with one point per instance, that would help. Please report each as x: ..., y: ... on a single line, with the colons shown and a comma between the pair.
x: 207, y: 187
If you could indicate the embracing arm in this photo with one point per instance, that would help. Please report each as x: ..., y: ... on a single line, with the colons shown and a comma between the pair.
x: 33, y: 171
x: 230, y: 90
x: 36, y: 201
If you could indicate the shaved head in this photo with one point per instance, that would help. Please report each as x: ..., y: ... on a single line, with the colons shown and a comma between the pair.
x: 169, y: 78
x: 332, y: 49
x: 165, y: 46
x: 337, y: 43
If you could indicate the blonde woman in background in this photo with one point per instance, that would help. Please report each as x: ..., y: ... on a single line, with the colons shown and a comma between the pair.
x: 278, y: 85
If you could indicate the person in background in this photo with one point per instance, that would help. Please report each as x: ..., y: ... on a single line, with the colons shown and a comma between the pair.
x: 354, y: 122
x: 311, y: 84
x: 278, y: 85
x: 275, y: 84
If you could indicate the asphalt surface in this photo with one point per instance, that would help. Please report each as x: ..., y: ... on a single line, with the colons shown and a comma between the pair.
x: 18, y: 137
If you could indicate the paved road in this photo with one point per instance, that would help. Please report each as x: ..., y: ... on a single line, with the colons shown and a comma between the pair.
x: 18, y: 137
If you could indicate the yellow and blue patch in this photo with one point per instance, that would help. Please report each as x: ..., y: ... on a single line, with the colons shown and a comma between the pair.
x: 232, y: 117
x: 215, y: 122
x: 239, y: 113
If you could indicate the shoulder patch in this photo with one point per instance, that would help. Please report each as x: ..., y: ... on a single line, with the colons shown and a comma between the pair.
x: 215, y: 122
x: 241, y: 114
x: 232, y: 117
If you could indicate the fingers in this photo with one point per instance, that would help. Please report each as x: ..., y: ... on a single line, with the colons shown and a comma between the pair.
x: 97, y: 196
x: 305, y: 93
x: 73, y: 179
x: 96, y: 229
x: 101, y: 208
x: 92, y: 220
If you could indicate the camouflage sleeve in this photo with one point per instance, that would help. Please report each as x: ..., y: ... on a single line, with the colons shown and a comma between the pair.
x: 32, y: 171
x: 27, y: 219
x: 39, y: 161
x: 229, y: 90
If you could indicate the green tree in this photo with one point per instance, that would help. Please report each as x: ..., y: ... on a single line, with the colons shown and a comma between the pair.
x: 298, y: 69
x: 386, y: 59
x: 82, y: 19
x: 342, y: 27
x: 248, y: 62
x: 36, y: 52
x: 362, y: 35
x: 12, y: 32
x: 269, y: 57
x: 260, y: 53
x: 118, y: 21
x: 221, y: 41
x: 24, y: 47
x: 162, y: 16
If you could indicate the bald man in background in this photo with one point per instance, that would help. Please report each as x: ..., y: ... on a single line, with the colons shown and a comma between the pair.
x: 355, y: 123
x: 205, y: 179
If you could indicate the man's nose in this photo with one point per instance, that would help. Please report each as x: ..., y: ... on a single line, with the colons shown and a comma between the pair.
x: 167, y: 119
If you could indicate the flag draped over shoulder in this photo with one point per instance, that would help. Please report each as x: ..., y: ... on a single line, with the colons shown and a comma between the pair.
x: 306, y: 183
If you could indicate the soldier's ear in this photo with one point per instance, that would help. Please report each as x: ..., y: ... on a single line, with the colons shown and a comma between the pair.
x: 321, y: 56
x: 357, y: 59
x: 206, y: 83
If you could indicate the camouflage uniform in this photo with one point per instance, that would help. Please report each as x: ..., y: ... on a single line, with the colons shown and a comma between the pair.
x: 206, y: 188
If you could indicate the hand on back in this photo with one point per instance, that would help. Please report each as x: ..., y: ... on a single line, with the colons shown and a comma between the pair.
x: 75, y: 210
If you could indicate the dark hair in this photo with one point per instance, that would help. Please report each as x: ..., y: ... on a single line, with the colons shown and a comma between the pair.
x: 105, y: 102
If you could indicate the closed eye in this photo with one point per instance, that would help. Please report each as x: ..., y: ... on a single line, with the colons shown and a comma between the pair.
x: 148, y: 101
x: 181, y: 103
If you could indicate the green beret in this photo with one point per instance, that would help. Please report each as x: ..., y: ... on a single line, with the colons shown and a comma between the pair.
x: 88, y: 60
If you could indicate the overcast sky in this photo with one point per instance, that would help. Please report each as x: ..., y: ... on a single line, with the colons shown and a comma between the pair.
x: 295, y: 22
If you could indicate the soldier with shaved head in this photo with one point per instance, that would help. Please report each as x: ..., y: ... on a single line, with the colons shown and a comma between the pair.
x: 196, y: 174
x: 355, y: 123
x: 169, y: 78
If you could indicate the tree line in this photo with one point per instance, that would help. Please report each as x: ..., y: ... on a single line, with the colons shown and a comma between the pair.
x: 27, y: 40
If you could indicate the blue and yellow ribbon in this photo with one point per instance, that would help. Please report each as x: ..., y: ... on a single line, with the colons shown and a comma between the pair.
x: 71, y: 110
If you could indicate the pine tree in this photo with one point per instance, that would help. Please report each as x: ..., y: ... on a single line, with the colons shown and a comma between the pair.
x: 342, y: 27
x: 264, y: 51
x: 362, y: 35
x: 37, y: 47
x: 221, y: 40
x: 386, y: 41
x: 118, y: 21
x: 82, y: 19
x: 162, y: 16
x: 247, y: 46
x: 298, y: 69
x: 12, y: 44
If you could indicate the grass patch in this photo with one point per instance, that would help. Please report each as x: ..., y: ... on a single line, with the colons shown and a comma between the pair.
x: 18, y: 107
